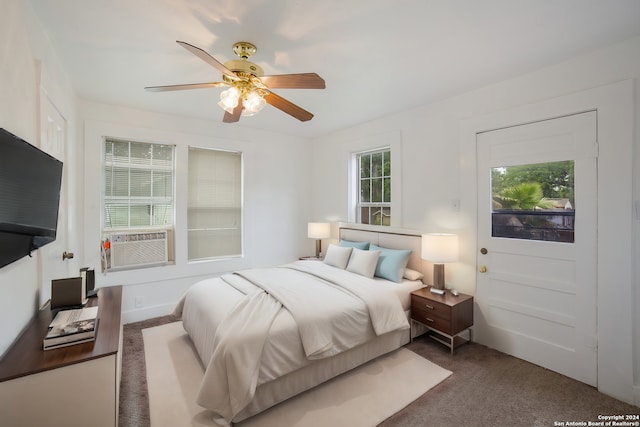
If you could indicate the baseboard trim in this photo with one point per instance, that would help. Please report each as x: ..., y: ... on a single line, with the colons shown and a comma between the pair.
x: 145, y: 313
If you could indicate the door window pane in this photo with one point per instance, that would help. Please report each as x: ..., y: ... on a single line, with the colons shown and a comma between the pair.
x: 534, y: 201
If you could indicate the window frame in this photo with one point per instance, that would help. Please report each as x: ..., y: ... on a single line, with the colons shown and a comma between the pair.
x: 240, y: 227
x: 383, y: 177
x: 387, y: 140
x: 105, y: 230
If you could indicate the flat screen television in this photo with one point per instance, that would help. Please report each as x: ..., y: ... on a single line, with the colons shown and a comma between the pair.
x: 30, y: 181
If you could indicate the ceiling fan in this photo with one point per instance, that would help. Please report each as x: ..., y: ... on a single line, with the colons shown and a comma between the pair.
x: 249, y: 89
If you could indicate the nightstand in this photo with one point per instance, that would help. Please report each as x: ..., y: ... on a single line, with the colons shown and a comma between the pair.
x: 446, y: 316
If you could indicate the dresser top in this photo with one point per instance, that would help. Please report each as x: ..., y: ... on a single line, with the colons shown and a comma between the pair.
x: 26, y: 356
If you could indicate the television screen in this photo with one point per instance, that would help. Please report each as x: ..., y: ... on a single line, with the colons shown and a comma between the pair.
x: 30, y: 182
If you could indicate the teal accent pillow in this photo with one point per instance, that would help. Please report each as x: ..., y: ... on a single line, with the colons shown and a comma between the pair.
x: 349, y: 244
x: 391, y: 263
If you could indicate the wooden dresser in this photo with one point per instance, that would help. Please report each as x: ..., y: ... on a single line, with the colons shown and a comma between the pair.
x: 445, y: 315
x: 71, y: 386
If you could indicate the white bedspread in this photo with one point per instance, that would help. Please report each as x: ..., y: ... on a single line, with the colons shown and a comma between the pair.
x: 244, y: 336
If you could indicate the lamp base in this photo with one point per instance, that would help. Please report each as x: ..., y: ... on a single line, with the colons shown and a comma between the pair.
x: 318, y: 248
x: 438, y: 276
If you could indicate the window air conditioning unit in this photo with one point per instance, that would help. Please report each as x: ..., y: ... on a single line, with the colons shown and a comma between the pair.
x: 137, y: 249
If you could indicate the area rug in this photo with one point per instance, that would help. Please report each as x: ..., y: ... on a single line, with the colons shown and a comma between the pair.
x: 363, y: 397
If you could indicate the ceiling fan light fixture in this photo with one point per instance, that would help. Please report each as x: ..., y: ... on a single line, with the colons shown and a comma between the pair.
x: 229, y: 99
x: 249, y: 89
x: 253, y: 103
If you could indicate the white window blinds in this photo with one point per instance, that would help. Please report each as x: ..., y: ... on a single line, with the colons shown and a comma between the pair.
x: 215, y: 204
x: 138, y: 184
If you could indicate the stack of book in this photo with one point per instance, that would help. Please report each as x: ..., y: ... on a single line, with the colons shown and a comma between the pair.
x: 71, y: 327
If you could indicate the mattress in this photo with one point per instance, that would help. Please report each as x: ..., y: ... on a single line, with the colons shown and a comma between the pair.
x: 285, y: 368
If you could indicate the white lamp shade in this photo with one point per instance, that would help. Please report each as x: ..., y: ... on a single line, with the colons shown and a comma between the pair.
x: 440, y: 247
x: 319, y: 230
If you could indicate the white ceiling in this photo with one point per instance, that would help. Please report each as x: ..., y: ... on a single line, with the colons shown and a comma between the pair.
x: 376, y: 56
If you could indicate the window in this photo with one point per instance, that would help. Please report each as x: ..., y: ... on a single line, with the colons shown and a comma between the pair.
x: 138, y: 185
x: 374, y: 187
x: 215, y: 204
x: 534, y: 201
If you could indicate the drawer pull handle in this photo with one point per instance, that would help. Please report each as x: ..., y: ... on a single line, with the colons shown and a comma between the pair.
x: 429, y: 306
x: 430, y: 320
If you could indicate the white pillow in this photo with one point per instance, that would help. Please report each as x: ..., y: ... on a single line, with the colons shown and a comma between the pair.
x: 363, y: 262
x: 337, y: 256
x: 412, y: 274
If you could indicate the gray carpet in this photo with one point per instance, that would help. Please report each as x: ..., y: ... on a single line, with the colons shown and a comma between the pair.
x: 487, y: 388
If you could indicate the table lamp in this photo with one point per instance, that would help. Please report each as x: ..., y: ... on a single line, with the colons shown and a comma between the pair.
x: 439, y: 248
x: 319, y: 231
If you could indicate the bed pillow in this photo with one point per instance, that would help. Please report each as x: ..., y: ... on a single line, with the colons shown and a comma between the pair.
x: 337, y: 256
x: 391, y: 263
x: 410, y: 274
x: 363, y: 262
x: 360, y: 245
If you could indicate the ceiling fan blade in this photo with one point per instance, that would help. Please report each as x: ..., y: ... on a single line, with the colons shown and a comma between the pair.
x: 208, y: 59
x: 185, y: 86
x: 294, y: 81
x: 235, y: 116
x: 288, y: 107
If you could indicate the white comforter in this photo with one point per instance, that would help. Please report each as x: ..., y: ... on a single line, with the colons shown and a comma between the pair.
x: 256, y: 325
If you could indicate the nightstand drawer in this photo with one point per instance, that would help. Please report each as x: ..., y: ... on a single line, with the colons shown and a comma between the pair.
x: 426, y: 318
x: 430, y: 308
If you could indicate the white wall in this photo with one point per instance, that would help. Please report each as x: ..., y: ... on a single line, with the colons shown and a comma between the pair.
x: 27, y: 63
x: 276, y: 199
x: 436, y: 159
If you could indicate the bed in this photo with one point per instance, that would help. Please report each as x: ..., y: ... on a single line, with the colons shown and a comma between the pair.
x: 265, y: 335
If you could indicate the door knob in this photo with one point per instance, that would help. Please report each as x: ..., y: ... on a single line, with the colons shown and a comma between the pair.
x: 483, y: 269
x: 483, y: 251
x: 67, y: 255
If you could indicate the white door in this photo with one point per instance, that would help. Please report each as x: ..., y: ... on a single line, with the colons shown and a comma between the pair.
x: 537, y: 298
x: 53, y: 140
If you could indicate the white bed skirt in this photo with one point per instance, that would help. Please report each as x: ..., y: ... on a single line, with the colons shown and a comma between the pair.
x: 305, y: 378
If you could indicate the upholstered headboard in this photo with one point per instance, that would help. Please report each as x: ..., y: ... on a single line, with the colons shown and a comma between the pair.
x: 392, y: 239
